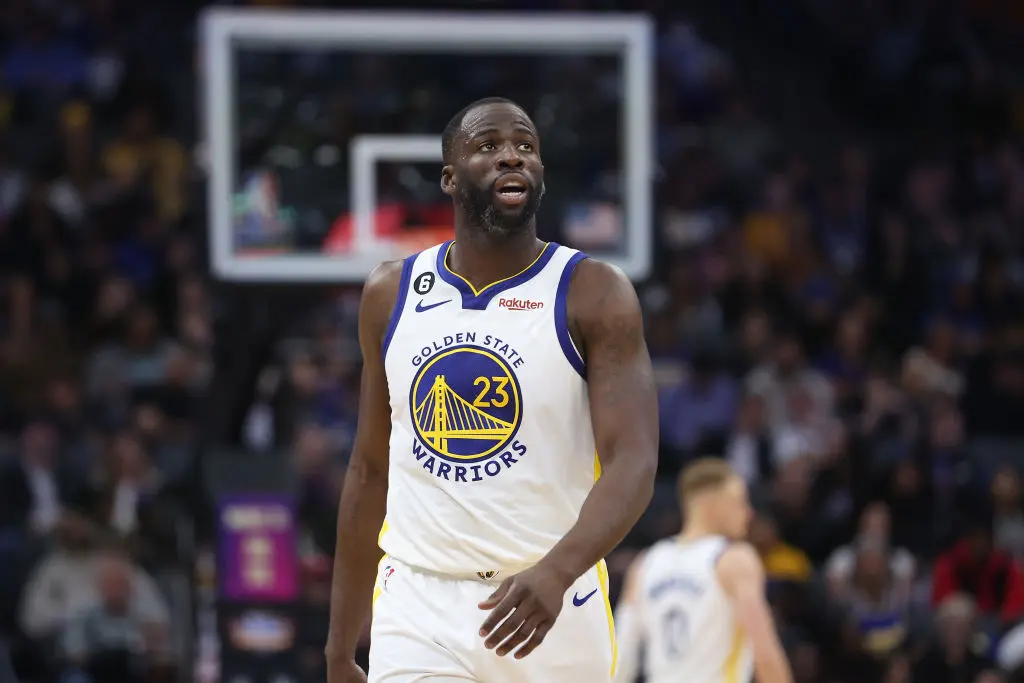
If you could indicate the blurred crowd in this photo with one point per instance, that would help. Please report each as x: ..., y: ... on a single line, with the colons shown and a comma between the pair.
x: 104, y: 351
x: 844, y: 324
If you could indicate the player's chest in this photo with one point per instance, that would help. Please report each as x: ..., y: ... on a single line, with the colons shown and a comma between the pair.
x: 476, y: 400
x: 487, y: 366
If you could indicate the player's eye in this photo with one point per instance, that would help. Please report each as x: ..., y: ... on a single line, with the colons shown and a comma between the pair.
x: 526, y: 146
x: 488, y: 147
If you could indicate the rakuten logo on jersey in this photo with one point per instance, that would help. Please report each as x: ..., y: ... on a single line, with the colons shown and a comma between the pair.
x: 520, y: 304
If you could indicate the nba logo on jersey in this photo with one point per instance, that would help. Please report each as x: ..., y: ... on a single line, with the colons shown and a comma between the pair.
x: 385, y: 575
x: 467, y: 405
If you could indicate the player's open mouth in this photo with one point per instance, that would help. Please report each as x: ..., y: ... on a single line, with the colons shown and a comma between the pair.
x: 511, y: 191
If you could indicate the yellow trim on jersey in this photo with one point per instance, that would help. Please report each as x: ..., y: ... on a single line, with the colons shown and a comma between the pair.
x: 478, y: 292
x: 378, y: 588
x: 732, y: 662
x: 602, y: 577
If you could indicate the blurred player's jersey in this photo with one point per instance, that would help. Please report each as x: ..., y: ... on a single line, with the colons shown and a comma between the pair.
x: 689, y: 630
x: 492, y: 449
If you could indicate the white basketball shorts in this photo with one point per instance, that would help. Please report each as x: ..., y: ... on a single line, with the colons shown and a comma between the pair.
x: 426, y: 627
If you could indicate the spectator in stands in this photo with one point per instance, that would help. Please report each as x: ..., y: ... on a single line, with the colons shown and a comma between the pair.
x: 702, y: 404
x: 303, y: 390
x: 954, y: 482
x: 139, y: 362
x: 931, y: 368
x: 785, y: 372
x: 126, y: 505
x: 886, y: 422
x: 847, y: 364
x: 748, y: 446
x: 1007, y: 512
x: 110, y: 640
x: 896, y: 279
x: 141, y: 158
x: 910, y: 503
x: 805, y: 432
x: 959, y: 652
x: 320, y: 483
x: 769, y: 230
x: 875, y: 602
x: 782, y: 562
x: 38, y: 488
x: 874, y: 531
x: 64, y: 408
x: 64, y: 584
x: 754, y: 335
x: 975, y: 568
x: 80, y: 188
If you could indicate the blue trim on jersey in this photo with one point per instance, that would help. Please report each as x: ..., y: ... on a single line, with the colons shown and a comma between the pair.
x: 562, y: 317
x: 479, y: 300
x: 403, y: 294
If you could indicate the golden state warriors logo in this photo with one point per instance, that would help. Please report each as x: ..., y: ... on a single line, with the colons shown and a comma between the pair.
x: 466, y: 406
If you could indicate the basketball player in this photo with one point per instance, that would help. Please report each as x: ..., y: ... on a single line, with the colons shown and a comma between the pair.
x: 507, y: 439
x: 695, y: 603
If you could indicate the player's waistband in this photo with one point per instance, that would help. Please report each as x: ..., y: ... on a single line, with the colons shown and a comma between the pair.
x: 486, y: 575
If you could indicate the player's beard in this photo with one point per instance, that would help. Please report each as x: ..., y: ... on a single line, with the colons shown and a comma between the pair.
x: 479, y: 204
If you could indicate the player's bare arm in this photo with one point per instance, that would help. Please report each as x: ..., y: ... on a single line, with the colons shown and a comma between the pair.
x: 742, y: 576
x: 364, y: 495
x: 607, y: 326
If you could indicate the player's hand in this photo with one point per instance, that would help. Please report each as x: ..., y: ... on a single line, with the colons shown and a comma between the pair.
x: 523, y: 610
x: 344, y: 671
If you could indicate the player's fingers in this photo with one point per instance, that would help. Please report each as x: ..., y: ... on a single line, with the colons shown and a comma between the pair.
x: 520, y: 636
x: 505, y: 629
x: 534, y: 641
x: 494, y: 598
x: 498, y: 614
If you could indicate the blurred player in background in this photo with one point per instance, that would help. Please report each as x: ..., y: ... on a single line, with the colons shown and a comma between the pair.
x: 497, y: 368
x: 694, y: 604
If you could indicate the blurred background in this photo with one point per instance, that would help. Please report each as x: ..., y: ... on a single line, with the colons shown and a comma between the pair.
x: 834, y: 304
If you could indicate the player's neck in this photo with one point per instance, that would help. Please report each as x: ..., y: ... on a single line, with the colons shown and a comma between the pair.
x: 695, y: 531
x: 484, y: 259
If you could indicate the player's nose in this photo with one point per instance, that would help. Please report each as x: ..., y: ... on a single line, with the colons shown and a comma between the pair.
x: 509, y: 158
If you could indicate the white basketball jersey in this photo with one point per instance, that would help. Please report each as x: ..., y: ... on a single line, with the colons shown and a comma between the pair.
x: 689, y: 630
x: 492, y: 450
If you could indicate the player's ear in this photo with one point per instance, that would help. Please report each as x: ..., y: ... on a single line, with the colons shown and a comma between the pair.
x: 448, y: 180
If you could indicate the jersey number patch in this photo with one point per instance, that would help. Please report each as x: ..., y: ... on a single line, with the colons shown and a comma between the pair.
x: 675, y: 626
x: 424, y: 283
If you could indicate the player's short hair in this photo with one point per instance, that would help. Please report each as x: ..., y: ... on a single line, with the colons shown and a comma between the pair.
x: 703, y: 474
x: 455, y: 123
